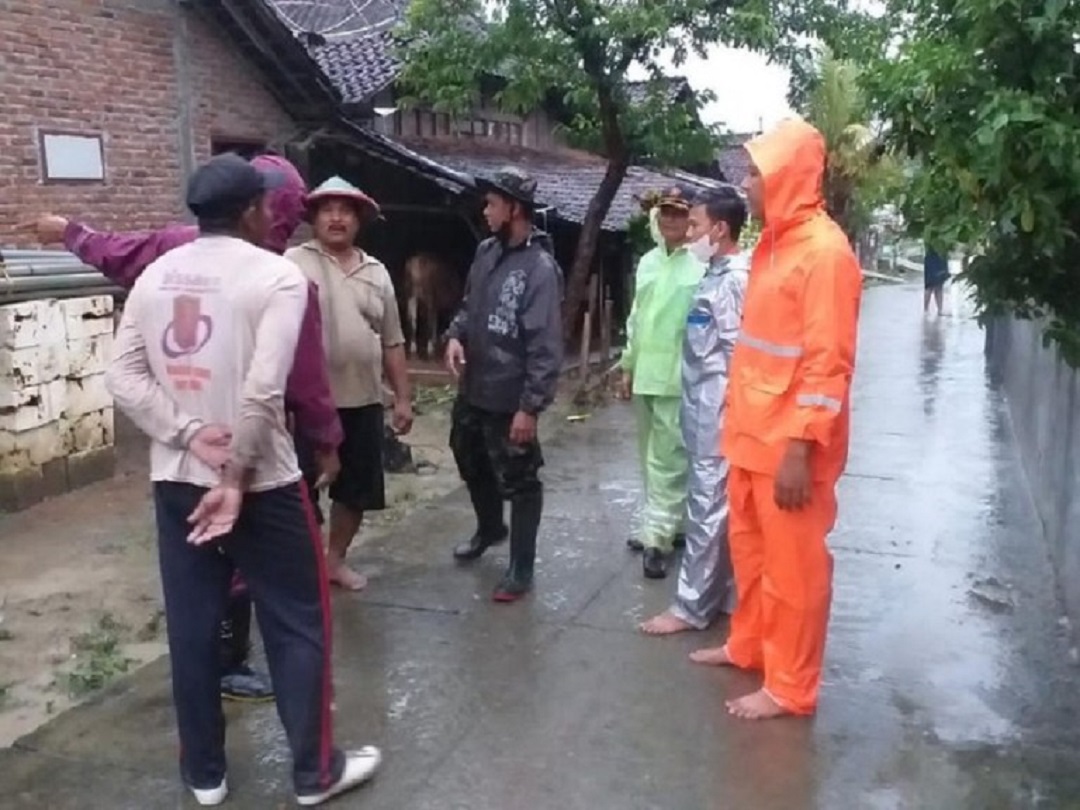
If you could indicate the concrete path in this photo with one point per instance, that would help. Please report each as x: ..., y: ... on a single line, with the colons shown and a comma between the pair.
x: 949, y: 682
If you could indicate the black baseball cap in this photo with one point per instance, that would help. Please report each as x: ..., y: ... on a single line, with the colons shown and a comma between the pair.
x: 225, y: 185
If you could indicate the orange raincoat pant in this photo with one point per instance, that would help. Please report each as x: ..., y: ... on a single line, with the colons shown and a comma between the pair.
x: 783, y: 573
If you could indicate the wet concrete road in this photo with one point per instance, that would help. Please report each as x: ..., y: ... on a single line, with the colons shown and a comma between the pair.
x: 949, y: 682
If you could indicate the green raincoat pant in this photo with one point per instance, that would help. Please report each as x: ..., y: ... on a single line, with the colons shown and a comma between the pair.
x: 664, y: 467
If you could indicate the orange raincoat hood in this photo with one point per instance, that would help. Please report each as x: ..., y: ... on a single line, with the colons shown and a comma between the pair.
x: 791, y: 160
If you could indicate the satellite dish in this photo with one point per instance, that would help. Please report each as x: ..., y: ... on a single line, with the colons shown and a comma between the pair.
x: 382, y: 112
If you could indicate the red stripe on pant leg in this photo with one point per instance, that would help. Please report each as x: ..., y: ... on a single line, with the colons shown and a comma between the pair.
x: 325, y: 729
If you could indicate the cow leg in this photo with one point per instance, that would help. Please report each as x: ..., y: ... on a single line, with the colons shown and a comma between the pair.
x: 433, y: 327
x: 413, y: 337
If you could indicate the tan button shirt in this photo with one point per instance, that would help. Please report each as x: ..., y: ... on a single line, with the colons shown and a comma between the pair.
x: 360, y: 320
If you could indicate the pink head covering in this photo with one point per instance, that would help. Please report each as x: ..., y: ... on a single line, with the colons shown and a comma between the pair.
x: 287, y: 202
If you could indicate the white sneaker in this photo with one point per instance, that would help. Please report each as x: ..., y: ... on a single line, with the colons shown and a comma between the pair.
x: 360, y: 766
x: 211, y: 797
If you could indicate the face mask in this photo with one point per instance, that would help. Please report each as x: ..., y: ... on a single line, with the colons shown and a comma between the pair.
x: 702, y: 249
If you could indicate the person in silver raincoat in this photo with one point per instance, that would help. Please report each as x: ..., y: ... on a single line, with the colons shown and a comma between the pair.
x: 706, y: 586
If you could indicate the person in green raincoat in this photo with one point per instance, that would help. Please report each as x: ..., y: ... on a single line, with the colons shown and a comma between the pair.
x: 666, y: 279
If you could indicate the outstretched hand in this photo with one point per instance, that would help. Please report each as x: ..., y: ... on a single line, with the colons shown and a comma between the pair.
x: 216, y: 514
x: 48, y: 229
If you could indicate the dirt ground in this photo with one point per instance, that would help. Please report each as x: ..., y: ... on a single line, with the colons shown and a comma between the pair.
x: 80, y: 597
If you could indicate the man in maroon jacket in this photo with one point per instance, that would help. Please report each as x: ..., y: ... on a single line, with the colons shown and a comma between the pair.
x: 122, y: 257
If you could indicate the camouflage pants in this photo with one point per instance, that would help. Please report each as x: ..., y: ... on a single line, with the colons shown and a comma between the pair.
x: 485, y: 457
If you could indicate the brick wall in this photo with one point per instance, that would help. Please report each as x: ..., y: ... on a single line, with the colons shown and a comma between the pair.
x: 111, y: 67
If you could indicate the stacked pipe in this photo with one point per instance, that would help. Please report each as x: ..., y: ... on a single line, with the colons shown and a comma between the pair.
x: 27, y: 275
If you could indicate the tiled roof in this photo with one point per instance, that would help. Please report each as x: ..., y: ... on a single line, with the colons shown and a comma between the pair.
x: 566, y: 179
x: 673, y: 86
x: 734, y: 163
x: 353, y: 46
x: 359, y: 67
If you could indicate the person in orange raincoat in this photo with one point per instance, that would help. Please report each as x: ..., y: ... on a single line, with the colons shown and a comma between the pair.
x: 786, y: 429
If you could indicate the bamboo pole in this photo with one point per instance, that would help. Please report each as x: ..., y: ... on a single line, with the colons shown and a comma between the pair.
x: 605, y: 331
x: 586, y: 337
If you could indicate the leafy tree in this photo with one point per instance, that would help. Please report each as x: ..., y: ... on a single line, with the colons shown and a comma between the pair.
x: 580, y: 51
x: 985, y: 94
x: 860, y: 176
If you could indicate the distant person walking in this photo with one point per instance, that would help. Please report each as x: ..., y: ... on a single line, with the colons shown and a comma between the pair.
x: 935, y: 275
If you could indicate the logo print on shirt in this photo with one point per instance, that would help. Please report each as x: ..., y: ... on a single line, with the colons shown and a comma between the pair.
x: 189, y: 330
x: 504, y: 320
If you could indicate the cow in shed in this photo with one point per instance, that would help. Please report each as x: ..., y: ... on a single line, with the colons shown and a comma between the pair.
x: 433, y: 291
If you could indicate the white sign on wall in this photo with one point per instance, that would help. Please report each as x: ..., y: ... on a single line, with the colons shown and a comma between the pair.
x: 72, y: 157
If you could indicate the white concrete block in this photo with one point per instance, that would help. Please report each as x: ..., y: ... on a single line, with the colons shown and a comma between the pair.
x: 7, y: 442
x: 86, y: 395
x: 90, y: 432
x: 32, y: 365
x: 32, y: 406
x: 54, y: 395
x: 88, y: 356
x: 13, y: 396
x: 20, y: 324
x: 88, y: 317
x: 41, y: 444
x: 52, y: 328
x: 14, y: 462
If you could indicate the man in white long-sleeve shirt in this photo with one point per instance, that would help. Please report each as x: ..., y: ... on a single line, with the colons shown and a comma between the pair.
x: 202, y: 354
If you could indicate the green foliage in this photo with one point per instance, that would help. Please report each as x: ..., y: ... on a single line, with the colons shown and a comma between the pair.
x: 860, y: 175
x: 567, y: 54
x: 576, y: 55
x: 658, y: 130
x: 985, y: 95
x: 639, y: 237
x: 99, y: 657
x: 751, y: 232
x: 570, y: 51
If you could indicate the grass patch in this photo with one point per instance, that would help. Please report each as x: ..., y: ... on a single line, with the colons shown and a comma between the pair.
x: 99, y: 658
x: 428, y: 398
x: 152, y: 629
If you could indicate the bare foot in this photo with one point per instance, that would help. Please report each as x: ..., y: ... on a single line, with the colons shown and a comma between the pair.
x: 344, y: 577
x: 756, y: 706
x: 712, y: 657
x: 666, y: 624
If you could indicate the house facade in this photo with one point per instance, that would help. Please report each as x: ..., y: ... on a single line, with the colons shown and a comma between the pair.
x: 110, y: 104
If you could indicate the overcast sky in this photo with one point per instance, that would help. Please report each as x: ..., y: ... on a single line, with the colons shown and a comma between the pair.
x: 750, y: 93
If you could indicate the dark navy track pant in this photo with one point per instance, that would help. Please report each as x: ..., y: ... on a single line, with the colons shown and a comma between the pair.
x: 277, y: 549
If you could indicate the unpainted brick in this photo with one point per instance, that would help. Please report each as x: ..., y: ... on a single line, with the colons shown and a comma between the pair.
x: 79, y: 69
